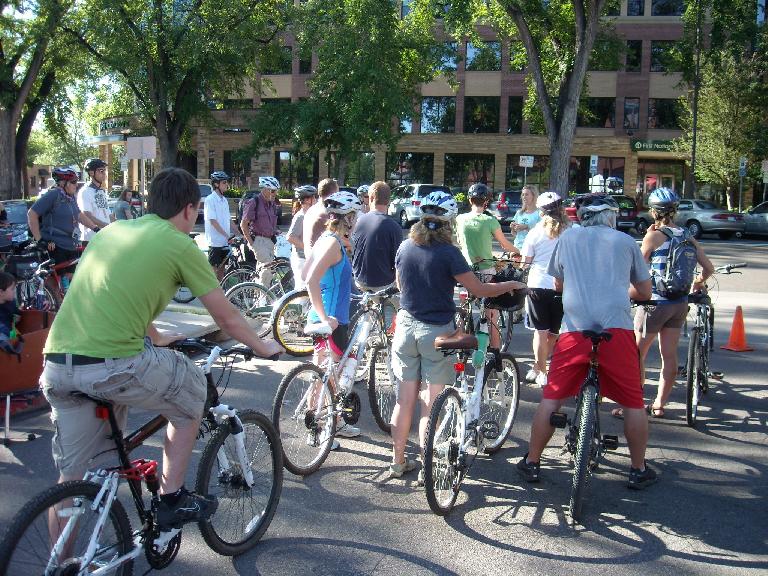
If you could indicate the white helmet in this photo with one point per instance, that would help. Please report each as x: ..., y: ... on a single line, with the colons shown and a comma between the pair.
x: 363, y: 190
x: 439, y: 205
x: 269, y: 182
x: 549, y: 202
x: 342, y: 203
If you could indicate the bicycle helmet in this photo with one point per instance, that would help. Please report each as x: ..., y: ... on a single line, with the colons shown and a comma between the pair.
x: 549, y: 203
x: 342, y: 203
x: 363, y: 190
x: 439, y: 205
x: 306, y: 191
x: 67, y: 174
x: 663, y: 200
x: 94, y: 164
x: 219, y: 176
x: 590, y: 204
x: 478, y: 190
x: 269, y: 182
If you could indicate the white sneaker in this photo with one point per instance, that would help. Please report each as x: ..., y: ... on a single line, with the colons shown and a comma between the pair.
x: 531, y: 375
x: 541, y: 379
x: 348, y: 432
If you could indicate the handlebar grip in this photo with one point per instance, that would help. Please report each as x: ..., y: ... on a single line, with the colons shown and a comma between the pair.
x: 737, y: 265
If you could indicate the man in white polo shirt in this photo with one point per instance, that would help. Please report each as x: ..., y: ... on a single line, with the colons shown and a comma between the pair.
x: 92, y: 199
x: 217, y: 222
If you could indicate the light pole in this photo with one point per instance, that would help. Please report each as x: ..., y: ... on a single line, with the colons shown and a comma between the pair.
x: 696, y: 86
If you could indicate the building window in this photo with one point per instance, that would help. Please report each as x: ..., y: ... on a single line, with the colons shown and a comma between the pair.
x: 294, y: 169
x: 635, y: 7
x: 463, y: 170
x: 516, y: 177
x: 613, y: 8
x: 438, y: 114
x: 305, y: 61
x: 663, y: 113
x: 407, y: 167
x: 360, y: 169
x: 663, y: 56
x: 406, y: 125
x: 481, y: 114
x: 485, y: 56
x: 631, y: 113
x: 274, y: 101
x: 599, y: 113
x: 515, y: 115
x: 236, y: 104
x: 405, y: 8
x: 237, y: 166
x: 633, y: 56
x: 448, y: 58
x: 667, y: 7
x: 279, y: 60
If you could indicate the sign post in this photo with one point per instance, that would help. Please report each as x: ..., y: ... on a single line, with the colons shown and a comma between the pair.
x: 765, y: 178
x: 525, y: 163
x: 141, y: 148
x: 593, y: 164
x: 742, y: 173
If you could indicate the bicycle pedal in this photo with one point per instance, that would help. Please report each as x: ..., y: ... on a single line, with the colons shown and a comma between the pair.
x: 610, y: 442
x: 716, y: 375
x: 558, y: 419
x: 490, y: 430
x: 350, y: 410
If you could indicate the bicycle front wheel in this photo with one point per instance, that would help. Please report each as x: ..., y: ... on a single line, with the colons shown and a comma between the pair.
x: 255, y: 304
x: 65, y: 514
x: 692, y: 378
x: 501, y: 397
x: 237, y: 276
x: 282, y: 277
x: 288, y: 325
x: 245, y: 509
x: 445, y: 435
x: 303, y: 414
x: 382, y: 387
x: 585, y: 449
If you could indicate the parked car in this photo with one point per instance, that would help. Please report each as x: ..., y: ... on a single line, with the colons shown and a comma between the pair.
x: 626, y: 219
x: 405, y: 201
x: 505, y: 206
x: 205, y: 190
x: 15, y: 229
x: 701, y: 217
x: 756, y: 219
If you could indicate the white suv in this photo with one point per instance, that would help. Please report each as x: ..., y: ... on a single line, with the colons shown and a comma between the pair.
x: 405, y: 201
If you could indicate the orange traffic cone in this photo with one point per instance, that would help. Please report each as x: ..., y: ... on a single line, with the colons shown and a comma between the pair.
x: 737, y: 341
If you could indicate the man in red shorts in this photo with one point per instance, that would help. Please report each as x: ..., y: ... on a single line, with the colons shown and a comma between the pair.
x: 598, y: 270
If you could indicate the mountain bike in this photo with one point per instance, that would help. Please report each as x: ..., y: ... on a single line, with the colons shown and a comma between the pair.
x: 40, y: 281
x: 81, y: 527
x: 582, y: 438
x: 474, y: 416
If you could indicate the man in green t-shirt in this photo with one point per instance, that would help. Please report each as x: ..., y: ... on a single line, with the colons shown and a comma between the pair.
x: 103, y: 343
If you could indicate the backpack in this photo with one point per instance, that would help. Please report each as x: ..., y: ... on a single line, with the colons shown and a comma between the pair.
x: 247, y: 197
x: 681, y: 266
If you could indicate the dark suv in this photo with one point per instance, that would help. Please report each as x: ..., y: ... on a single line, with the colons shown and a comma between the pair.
x: 505, y: 206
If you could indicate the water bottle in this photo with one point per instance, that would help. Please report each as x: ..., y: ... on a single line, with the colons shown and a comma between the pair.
x: 482, y: 344
x: 347, y: 379
x: 64, y: 284
x: 40, y: 300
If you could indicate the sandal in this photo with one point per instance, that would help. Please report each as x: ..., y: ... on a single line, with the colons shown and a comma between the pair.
x: 654, y: 412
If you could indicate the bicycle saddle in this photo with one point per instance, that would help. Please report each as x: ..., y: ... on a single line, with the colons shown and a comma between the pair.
x: 317, y: 329
x: 456, y: 340
x: 597, y: 336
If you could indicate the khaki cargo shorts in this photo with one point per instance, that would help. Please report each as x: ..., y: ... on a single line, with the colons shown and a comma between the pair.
x: 158, y: 380
x: 414, y: 357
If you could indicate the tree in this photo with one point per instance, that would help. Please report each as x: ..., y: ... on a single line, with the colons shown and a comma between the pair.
x: 370, y: 64
x: 176, y: 57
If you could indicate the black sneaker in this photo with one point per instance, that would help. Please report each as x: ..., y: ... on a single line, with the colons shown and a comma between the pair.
x: 528, y: 470
x: 639, y: 479
x: 190, y: 507
x: 498, y: 364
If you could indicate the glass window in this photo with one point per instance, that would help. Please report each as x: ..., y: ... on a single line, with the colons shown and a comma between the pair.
x: 438, y: 114
x: 635, y: 7
x: 667, y: 7
x: 516, y: 177
x: 463, y: 170
x: 235, y: 104
x: 515, y: 115
x: 448, y: 57
x: 305, y: 61
x: 407, y: 167
x: 405, y: 8
x: 598, y: 113
x: 294, y: 169
x: 278, y: 60
x: 274, y: 101
x: 613, y: 8
x: 633, y: 56
x: 663, y: 113
x: 481, y: 114
x: 631, y: 113
x: 359, y: 169
x: 663, y: 56
x: 406, y: 125
x: 486, y: 56
x: 238, y: 166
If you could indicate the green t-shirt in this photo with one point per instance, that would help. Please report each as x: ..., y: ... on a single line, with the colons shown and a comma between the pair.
x: 475, y: 234
x: 124, y: 280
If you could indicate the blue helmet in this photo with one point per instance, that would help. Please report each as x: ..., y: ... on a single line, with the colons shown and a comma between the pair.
x: 663, y: 199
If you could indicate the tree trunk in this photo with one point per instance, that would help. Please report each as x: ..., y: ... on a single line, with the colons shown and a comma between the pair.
x: 342, y: 169
x: 10, y: 183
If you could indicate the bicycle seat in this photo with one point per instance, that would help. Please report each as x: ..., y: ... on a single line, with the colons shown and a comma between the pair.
x: 97, y: 401
x: 318, y: 329
x: 597, y: 337
x: 699, y: 298
x: 456, y: 340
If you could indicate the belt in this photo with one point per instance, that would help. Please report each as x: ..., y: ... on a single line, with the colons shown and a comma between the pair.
x: 77, y: 359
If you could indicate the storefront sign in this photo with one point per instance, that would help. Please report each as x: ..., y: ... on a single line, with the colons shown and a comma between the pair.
x: 113, y: 125
x: 652, y: 145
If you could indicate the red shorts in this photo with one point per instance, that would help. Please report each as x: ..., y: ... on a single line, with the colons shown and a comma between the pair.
x: 619, y: 369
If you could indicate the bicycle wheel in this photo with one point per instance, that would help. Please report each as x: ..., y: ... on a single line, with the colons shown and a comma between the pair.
x: 26, y: 296
x: 237, y: 276
x: 255, y: 304
x: 244, y: 512
x: 585, y: 449
x: 282, y: 277
x: 303, y: 414
x: 501, y: 396
x: 288, y: 325
x: 441, y: 451
x: 26, y: 545
x: 692, y: 379
x: 183, y: 295
x: 382, y: 387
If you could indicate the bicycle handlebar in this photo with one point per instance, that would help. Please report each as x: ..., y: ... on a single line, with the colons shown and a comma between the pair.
x: 728, y: 268
x: 199, y: 345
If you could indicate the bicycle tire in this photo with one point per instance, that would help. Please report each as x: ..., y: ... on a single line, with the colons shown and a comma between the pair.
x: 304, y: 443
x: 30, y: 529
x: 237, y: 276
x: 255, y: 304
x: 288, y: 325
x: 505, y: 415
x: 691, y: 379
x: 244, y: 513
x: 382, y: 387
x: 282, y: 277
x: 587, y: 418
x: 26, y: 296
x: 444, y: 434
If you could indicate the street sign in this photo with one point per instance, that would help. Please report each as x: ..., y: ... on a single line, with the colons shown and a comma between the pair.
x: 593, y: 164
x: 526, y: 161
x: 124, y: 163
x: 141, y: 148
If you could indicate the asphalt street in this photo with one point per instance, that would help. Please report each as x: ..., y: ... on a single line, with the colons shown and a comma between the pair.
x: 706, y: 515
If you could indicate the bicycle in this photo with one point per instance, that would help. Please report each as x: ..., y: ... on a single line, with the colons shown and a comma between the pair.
x: 582, y: 439
x: 287, y: 320
x: 80, y: 527
x: 700, y: 344
x: 39, y: 285
x: 468, y: 418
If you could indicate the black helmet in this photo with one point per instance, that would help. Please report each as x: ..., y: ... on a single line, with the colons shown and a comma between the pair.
x: 94, y: 164
x: 219, y: 176
x: 478, y: 190
x: 590, y: 204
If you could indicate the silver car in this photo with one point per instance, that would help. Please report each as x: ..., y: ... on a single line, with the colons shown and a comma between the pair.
x: 757, y: 219
x: 701, y: 217
x: 405, y: 201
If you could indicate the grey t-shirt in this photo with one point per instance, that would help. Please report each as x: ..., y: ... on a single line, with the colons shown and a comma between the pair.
x: 297, y: 231
x: 58, y: 217
x: 596, y: 265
